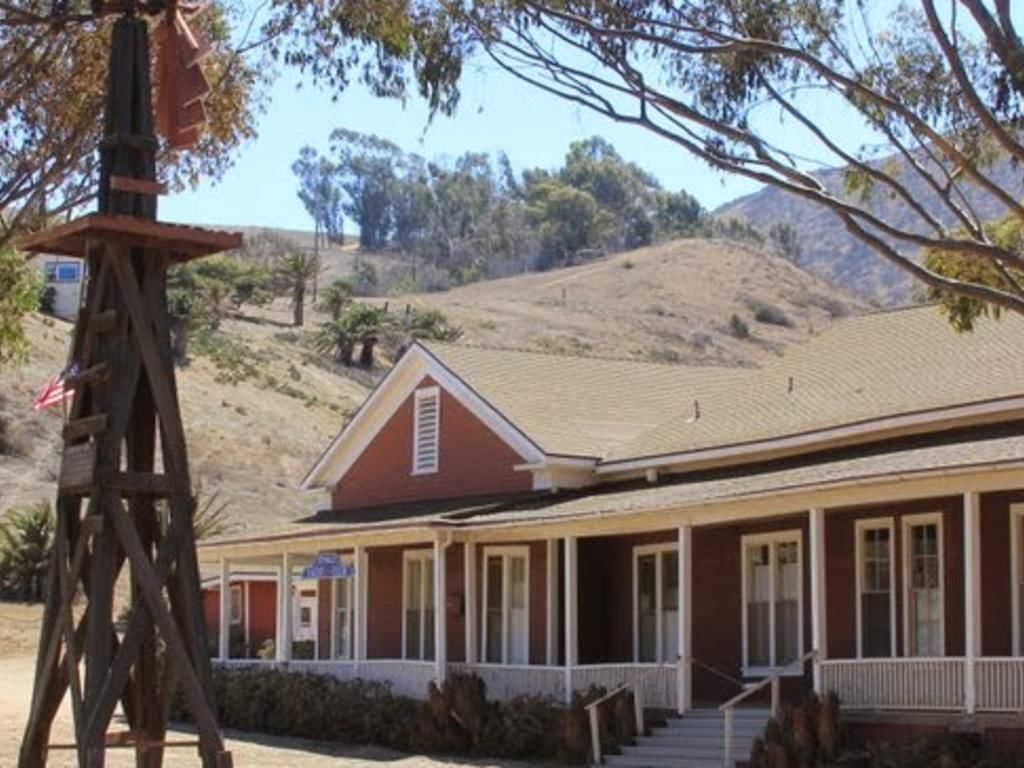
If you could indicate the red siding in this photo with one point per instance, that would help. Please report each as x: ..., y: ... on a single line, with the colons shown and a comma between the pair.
x: 384, y: 593
x: 605, y: 583
x: 473, y: 461
x: 996, y: 573
x: 718, y: 609
x: 840, y: 571
x: 262, y: 617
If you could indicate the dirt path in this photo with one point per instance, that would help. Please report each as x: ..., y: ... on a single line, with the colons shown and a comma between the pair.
x: 247, y: 749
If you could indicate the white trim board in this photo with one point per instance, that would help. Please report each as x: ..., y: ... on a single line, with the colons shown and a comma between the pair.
x: 389, y: 395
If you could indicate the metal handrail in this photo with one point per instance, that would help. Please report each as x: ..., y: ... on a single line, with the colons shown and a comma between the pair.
x: 595, y: 719
x: 713, y: 670
x: 774, y: 680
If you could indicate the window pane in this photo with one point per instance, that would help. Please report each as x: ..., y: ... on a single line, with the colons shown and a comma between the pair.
x: 495, y: 592
x: 876, y: 597
x: 758, y: 606
x: 925, y: 599
x: 343, y: 619
x: 518, y: 624
x: 787, y: 603
x: 647, y: 607
x: 428, y: 634
x: 669, y: 606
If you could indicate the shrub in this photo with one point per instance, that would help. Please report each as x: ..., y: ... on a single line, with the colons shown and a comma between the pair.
x: 804, y: 735
x: 738, y: 327
x: 26, y: 538
x: 769, y: 314
x: 456, y: 718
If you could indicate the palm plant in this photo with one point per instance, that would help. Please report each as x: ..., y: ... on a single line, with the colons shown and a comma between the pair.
x: 335, y: 298
x: 26, y: 540
x: 362, y: 324
x: 336, y: 338
x: 294, y: 271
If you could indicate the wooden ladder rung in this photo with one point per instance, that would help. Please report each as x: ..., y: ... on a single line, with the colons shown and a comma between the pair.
x: 138, y: 186
x: 103, y: 322
x: 93, y: 375
x: 86, y: 427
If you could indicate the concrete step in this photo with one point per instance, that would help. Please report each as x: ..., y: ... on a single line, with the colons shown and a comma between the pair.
x: 685, y: 753
x: 665, y: 740
x: 632, y: 761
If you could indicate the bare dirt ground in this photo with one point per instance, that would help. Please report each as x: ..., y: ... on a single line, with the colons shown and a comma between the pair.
x: 18, y: 636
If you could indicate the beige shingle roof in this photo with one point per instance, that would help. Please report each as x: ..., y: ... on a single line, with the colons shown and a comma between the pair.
x: 863, y: 368
x: 578, y: 406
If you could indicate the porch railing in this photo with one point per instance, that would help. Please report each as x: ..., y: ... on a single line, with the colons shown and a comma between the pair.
x: 654, y: 683
x: 774, y: 681
x: 1000, y: 684
x: 904, y: 683
x: 506, y: 681
x: 594, y: 718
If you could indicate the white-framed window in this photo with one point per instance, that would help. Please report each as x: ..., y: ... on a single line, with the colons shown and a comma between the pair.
x: 506, y: 630
x: 236, y: 603
x: 876, y: 588
x: 418, y: 604
x: 656, y: 603
x: 343, y: 628
x: 63, y: 271
x: 426, y: 437
x: 772, y: 600
x: 923, y: 592
x: 1017, y: 575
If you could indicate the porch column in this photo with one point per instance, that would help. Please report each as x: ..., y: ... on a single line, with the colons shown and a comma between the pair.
x: 440, y: 608
x: 224, y: 627
x: 469, y: 596
x: 819, y: 639
x: 361, y: 579
x: 972, y: 597
x: 283, y: 641
x: 684, y: 680
x: 571, y: 613
x: 552, y: 602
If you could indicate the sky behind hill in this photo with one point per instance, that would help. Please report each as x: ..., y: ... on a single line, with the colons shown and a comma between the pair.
x: 497, y: 113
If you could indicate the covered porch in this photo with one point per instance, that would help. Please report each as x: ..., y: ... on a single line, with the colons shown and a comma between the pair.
x: 901, y: 596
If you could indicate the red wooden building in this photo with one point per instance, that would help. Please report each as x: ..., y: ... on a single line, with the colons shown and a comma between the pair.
x: 849, y: 517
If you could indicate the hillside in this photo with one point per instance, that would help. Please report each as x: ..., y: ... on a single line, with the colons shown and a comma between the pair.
x: 670, y: 302
x: 830, y: 252
x: 263, y: 407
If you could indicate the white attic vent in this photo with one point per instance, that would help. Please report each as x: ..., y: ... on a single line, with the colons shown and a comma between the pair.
x: 426, y: 436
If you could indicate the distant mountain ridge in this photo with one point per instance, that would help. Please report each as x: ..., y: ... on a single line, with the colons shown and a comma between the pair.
x: 829, y: 251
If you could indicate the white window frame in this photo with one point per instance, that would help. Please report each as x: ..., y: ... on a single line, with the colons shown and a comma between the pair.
x: 236, y: 604
x: 505, y: 553
x: 639, y: 551
x: 426, y: 393
x: 906, y: 523
x: 427, y: 577
x: 1016, y: 550
x: 349, y: 584
x: 874, y: 524
x: 787, y: 536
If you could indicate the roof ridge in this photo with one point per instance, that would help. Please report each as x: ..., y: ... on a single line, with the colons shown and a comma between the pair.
x: 569, y: 354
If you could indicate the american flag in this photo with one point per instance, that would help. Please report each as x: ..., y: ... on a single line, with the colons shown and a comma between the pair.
x: 57, y: 389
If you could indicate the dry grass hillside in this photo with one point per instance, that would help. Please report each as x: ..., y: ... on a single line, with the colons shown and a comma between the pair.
x: 261, y: 410
x: 671, y: 302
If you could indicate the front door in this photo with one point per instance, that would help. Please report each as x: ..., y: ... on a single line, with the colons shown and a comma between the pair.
x: 304, y: 616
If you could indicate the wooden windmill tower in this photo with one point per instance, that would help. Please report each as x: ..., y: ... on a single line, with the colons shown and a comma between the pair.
x: 124, y: 499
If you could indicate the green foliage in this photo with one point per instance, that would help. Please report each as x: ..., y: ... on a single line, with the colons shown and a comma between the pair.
x: 783, y: 238
x: 47, y: 298
x: 738, y: 327
x: 319, y: 193
x: 292, y: 273
x: 200, y: 293
x: 964, y: 311
x: 470, y: 218
x: 362, y: 324
x: 430, y: 325
x: 26, y: 538
x: 454, y: 719
x: 335, y: 297
x: 19, y: 294
x: 769, y: 314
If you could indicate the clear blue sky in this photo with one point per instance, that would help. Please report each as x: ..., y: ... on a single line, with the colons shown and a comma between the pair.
x: 497, y: 112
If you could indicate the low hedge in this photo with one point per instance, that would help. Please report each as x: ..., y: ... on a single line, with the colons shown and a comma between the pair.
x: 455, y: 719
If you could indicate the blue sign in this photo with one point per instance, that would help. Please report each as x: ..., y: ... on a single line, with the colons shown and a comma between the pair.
x: 328, y: 565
